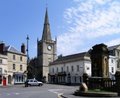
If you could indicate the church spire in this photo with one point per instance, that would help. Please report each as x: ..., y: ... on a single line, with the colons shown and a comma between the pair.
x: 46, y: 29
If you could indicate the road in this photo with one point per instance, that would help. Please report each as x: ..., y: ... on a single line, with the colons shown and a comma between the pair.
x: 45, y: 91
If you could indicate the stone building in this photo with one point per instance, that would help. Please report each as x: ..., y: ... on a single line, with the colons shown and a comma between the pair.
x: 17, y: 63
x: 70, y: 69
x: 115, y: 51
x: 46, y: 50
x: 3, y: 70
x: 112, y: 66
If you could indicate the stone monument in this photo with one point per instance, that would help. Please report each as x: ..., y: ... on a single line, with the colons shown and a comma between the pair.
x: 99, y: 61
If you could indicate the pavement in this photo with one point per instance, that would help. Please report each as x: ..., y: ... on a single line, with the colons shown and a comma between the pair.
x: 70, y: 95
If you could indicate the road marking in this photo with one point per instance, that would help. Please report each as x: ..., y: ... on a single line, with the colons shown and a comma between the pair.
x: 17, y: 93
x: 56, y: 91
x: 59, y: 95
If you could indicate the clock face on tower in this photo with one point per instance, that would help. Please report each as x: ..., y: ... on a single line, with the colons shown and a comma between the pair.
x: 49, y: 47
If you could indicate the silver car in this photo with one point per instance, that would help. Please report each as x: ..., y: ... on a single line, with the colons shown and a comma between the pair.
x: 33, y: 82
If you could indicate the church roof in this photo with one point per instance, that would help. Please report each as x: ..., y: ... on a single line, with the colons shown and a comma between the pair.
x: 71, y: 58
x: 46, y: 29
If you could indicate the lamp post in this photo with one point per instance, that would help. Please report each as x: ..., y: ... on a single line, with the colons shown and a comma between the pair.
x: 27, y: 38
x: 27, y: 50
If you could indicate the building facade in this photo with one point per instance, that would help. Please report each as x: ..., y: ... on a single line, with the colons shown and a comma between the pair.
x: 112, y: 66
x: 115, y: 51
x: 16, y: 63
x: 70, y: 69
x: 46, y: 50
x: 3, y: 70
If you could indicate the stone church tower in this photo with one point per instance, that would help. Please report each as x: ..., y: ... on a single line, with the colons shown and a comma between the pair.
x: 46, y: 50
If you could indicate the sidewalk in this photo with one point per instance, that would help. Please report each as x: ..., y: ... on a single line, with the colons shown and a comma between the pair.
x: 70, y: 95
x: 8, y: 86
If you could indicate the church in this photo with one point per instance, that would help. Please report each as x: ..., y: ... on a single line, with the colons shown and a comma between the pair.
x: 66, y: 69
x: 46, y: 50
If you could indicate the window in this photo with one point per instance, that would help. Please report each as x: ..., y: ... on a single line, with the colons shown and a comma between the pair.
x: 112, y: 60
x: 13, y: 57
x: 72, y: 68
x: 117, y: 63
x: 21, y: 67
x: 61, y: 69
x: 53, y: 70
x: 57, y: 69
x: 75, y: 79
x: 67, y: 69
x: 13, y: 66
x: 20, y: 58
x: 77, y: 67
x: 0, y: 79
x: 118, y: 53
x: 112, y: 70
x: 0, y: 61
x: 88, y: 68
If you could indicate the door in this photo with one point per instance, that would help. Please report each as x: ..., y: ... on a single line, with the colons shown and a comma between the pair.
x: 4, y: 81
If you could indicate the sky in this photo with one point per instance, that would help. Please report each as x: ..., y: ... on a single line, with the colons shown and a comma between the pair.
x: 77, y: 24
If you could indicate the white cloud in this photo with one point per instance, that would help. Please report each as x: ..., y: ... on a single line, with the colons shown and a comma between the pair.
x: 89, y: 19
x: 113, y: 42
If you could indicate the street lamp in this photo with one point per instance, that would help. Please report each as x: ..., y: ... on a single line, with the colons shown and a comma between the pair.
x: 27, y: 38
x: 27, y: 50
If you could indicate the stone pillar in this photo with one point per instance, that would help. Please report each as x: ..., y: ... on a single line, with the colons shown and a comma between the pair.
x: 117, y: 76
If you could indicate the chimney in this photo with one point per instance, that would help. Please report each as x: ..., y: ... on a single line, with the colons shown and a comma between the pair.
x: 2, y: 46
x: 23, y: 48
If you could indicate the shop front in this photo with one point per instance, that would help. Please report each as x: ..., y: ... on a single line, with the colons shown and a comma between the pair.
x: 18, y: 78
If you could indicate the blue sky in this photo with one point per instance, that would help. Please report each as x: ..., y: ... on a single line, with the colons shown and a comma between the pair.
x: 77, y: 24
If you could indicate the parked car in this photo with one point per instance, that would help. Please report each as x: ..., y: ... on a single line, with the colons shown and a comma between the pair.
x: 32, y: 82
